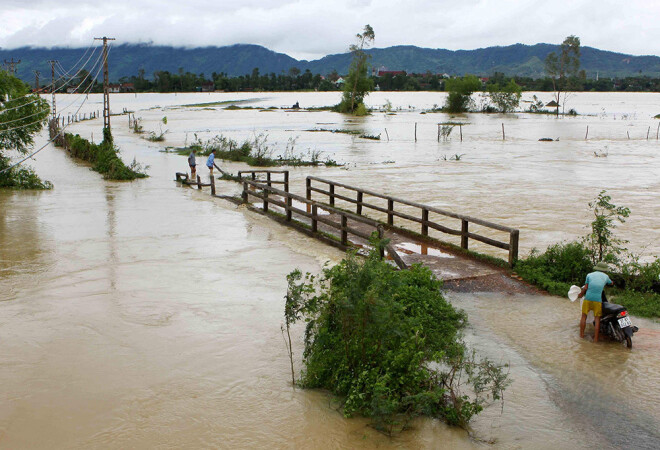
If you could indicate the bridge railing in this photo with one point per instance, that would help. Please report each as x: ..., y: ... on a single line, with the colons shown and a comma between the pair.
x: 422, y: 215
x: 269, y: 179
x: 311, y: 210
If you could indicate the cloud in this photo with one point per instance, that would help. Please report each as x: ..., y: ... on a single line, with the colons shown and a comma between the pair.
x: 313, y: 28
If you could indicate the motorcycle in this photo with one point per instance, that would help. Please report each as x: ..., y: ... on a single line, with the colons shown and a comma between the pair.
x: 616, y: 323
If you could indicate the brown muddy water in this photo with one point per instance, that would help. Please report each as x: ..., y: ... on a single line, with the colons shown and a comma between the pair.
x: 141, y: 315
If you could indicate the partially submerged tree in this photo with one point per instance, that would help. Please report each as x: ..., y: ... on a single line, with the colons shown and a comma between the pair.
x: 358, y: 84
x: 460, y: 90
x: 563, y: 68
x: 505, y: 98
x: 22, y: 115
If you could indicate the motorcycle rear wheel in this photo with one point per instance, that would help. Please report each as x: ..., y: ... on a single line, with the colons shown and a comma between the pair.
x: 628, y: 342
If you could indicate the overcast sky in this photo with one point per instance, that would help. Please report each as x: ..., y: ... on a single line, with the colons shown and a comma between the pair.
x: 310, y: 29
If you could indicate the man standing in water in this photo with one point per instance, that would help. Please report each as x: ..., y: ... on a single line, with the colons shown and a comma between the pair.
x: 592, y: 292
x: 211, y: 162
x: 193, y: 164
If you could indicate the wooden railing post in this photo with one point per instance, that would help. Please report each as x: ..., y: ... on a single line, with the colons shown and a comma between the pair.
x: 265, y: 191
x: 332, y: 195
x: 315, y: 224
x: 212, y: 185
x: 245, y: 192
x: 344, y: 231
x: 309, y: 188
x: 425, y: 222
x: 268, y: 179
x: 358, y: 208
x: 381, y: 235
x: 286, y: 181
x: 513, y: 247
x: 199, y: 182
x: 288, y: 208
x: 390, y: 211
x: 464, y: 233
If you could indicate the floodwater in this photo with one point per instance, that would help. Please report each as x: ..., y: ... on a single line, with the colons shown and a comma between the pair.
x: 147, y: 315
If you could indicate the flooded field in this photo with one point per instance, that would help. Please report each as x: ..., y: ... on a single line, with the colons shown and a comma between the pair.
x: 147, y: 315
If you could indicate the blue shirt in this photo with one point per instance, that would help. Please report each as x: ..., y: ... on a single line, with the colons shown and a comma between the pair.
x: 596, y: 282
x: 211, y: 160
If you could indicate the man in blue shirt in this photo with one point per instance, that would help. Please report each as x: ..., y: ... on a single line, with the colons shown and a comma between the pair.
x: 592, y: 292
x: 211, y: 162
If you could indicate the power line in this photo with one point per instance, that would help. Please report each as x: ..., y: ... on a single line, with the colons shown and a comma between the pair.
x: 63, y: 109
x: 46, y: 144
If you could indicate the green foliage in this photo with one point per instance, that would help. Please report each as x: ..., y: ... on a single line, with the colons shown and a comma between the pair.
x: 602, y: 243
x: 104, y: 157
x: 388, y: 343
x: 20, y: 177
x: 643, y: 304
x: 460, y: 90
x: 357, y: 83
x: 506, y: 98
x: 22, y: 114
x: 559, y: 267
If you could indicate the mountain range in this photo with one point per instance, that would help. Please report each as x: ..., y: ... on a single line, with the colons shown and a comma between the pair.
x: 240, y: 59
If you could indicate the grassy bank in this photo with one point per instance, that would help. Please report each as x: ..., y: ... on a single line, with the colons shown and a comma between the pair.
x: 104, y: 157
x: 637, y: 286
x: 255, y: 152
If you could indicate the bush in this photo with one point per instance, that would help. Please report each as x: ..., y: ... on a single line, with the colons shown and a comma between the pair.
x: 103, y: 156
x: 556, y: 269
x: 388, y: 344
x: 20, y: 177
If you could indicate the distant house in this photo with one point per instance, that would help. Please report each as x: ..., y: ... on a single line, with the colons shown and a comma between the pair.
x: 127, y: 87
x: 114, y: 88
x: 208, y: 86
x: 340, y: 81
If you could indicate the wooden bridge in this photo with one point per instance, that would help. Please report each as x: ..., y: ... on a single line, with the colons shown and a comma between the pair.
x: 347, y: 216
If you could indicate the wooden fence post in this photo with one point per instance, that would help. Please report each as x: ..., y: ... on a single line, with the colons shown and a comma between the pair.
x: 332, y: 195
x: 315, y: 224
x: 438, y: 132
x: 344, y: 232
x: 286, y: 181
x: 587, y: 133
x: 503, y: 136
x: 265, y: 191
x: 309, y: 188
x: 288, y: 208
x: 460, y: 129
x: 390, y: 210
x: 513, y: 247
x: 245, y: 192
x: 212, y: 185
x: 464, y: 233
x: 358, y: 208
x: 199, y: 183
x: 425, y: 222
x: 381, y: 234
x: 268, y: 179
x: 415, y: 131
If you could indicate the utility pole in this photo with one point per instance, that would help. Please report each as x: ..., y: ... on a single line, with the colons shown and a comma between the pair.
x: 11, y: 65
x: 36, y: 80
x: 106, y: 89
x: 52, y: 88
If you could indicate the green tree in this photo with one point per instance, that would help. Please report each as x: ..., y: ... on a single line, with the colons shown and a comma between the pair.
x: 506, y: 98
x: 358, y: 84
x: 460, y: 90
x: 563, y: 68
x: 602, y: 242
x: 22, y: 115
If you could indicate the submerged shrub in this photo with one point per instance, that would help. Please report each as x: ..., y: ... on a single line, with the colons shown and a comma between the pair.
x: 20, y: 177
x: 388, y: 343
